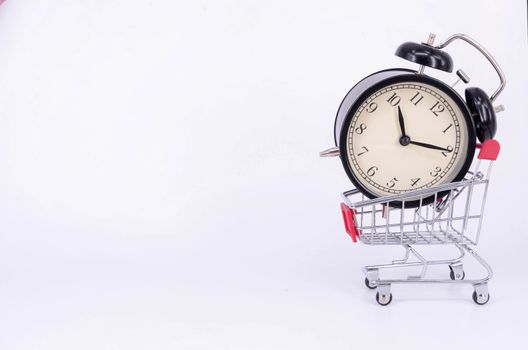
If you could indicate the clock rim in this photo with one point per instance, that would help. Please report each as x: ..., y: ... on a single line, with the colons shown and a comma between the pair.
x: 396, y: 71
x: 405, y: 76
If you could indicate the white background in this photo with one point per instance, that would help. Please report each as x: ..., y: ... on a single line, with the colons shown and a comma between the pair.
x: 160, y: 185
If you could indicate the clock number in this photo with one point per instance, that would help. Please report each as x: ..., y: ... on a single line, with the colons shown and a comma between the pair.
x: 365, y: 151
x: 372, y: 107
x: 415, y: 181
x: 437, y: 108
x: 361, y: 128
x: 436, y: 171
x: 392, y: 182
x: 372, y: 171
x: 416, y: 98
x: 449, y: 150
x: 445, y: 130
x: 394, y: 99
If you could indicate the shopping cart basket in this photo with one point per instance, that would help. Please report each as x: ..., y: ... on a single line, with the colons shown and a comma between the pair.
x: 454, y: 217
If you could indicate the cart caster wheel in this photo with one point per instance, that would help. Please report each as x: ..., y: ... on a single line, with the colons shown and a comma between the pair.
x: 369, y: 284
x: 481, y: 299
x: 383, y: 299
x: 457, y: 274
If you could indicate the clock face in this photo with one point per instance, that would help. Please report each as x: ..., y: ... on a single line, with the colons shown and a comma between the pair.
x: 407, y: 136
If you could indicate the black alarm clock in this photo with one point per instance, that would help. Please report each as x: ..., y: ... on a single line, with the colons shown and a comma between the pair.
x: 400, y: 130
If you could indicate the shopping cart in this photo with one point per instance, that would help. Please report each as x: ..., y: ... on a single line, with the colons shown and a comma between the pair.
x: 454, y: 217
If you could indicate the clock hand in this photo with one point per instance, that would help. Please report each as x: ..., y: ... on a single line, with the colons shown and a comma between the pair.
x: 402, y: 122
x: 426, y: 145
x: 404, y: 139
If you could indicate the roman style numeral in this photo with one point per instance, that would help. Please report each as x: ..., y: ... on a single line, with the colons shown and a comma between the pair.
x: 449, y: 150
x: 365, y: 151
x: 392, y: 182
x: 394, y: 99
x: 416, y: 98
x: 372, y: 107
x: 437, y: 108
x: 372, y: 170
x: 445, y: 130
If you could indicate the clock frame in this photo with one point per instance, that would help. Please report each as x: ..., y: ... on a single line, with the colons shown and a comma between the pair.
x: 376, y: 81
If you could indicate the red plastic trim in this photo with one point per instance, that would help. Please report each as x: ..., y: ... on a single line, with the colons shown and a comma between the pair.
x: 350, y: 224
x: 489, y: 150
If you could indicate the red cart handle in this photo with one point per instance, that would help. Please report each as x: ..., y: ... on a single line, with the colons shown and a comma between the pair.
x: 350, y: 223
x: 489, y: 150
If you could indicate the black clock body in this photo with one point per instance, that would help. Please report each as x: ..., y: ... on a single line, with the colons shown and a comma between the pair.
x: 356, y: 97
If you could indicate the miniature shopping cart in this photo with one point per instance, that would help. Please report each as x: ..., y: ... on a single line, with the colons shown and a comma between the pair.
x: 454, y: 216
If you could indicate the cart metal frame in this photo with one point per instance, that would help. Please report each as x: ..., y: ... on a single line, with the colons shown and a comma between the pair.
x: 454, y: 217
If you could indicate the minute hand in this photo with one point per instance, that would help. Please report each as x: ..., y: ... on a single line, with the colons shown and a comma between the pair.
x: 426, y: 145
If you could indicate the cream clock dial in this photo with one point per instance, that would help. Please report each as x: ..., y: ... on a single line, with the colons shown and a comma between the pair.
x: 403, y: 134
x: 428, y: 149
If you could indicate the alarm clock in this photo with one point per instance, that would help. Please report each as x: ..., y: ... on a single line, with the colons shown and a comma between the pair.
x: 400, y: 130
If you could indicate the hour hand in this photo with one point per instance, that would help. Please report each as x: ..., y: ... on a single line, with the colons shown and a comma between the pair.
x: 426, y: 145
x: 402, y: 122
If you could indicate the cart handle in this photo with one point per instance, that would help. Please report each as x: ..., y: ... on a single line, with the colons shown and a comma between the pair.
x: 489, y: 150
x: 350, y: 222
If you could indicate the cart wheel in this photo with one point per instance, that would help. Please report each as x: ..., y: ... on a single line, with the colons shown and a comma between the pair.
x: 383, y: 300
x: 459, y: 275
x: 452, y: 275
x: 481, y: 299
x: 369, y: 285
